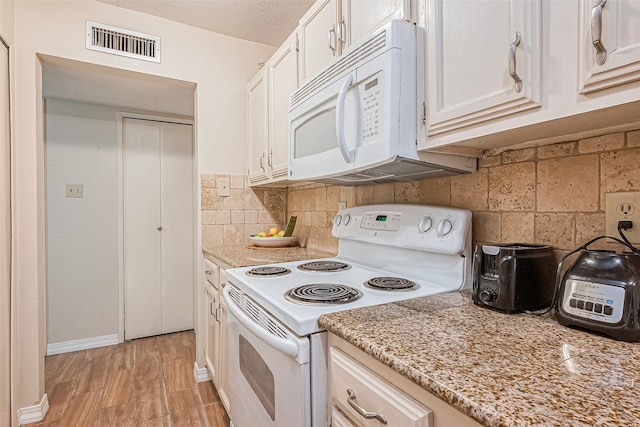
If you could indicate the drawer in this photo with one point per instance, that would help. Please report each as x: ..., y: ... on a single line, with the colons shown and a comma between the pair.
x: 354, y: 386
x: 212, y: 273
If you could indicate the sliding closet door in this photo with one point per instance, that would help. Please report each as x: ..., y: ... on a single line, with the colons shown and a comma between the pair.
x: 142, y: 229
x: 158, y: 227
x: 5, y: 242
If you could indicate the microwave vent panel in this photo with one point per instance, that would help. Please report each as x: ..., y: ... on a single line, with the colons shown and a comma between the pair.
x: 344, y: 64
x: 118, y: 41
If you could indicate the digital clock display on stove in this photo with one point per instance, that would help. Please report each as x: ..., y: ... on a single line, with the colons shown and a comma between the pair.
x: 381, y: 218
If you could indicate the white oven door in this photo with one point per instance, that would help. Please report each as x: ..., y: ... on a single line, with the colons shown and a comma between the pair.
x: 268, y: 367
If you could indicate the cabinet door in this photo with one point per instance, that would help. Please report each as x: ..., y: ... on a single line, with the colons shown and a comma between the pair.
x: 223, y: 378
x: 319, y: 37
x: 212, y: 334
x: 365, y: 16
x: 283, y: 80
x: 257, y: 134
x: 471, y: 53
x: 616, y: 24
x: 5, y: 240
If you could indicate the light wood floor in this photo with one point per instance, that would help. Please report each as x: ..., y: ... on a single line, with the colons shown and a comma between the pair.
x: 144, y: 382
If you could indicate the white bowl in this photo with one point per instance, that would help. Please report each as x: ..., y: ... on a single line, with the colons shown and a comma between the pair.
x: 272, y: 242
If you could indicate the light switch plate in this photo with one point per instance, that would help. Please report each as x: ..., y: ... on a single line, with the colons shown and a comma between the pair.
x: 223, y: 187
x: 623, y: 207
x: 74, y: 191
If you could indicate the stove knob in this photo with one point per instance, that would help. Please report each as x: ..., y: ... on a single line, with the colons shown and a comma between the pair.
x: 337, y: 220
x: 346, y: 218
x: 488, y: 296
x: 444, y: 227
x: 425, y: 224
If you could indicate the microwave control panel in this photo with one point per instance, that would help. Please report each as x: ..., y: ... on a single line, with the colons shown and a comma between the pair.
x: 371, y: 108
x: 597, y: 301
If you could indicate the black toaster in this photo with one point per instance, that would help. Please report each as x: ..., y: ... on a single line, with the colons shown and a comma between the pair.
x: 513, y: 277
x: 601, y: 292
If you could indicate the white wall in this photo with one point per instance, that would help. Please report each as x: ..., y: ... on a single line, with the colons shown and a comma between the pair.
x: 6, y: 20
x: 82, y: 243
x: 220, y: 66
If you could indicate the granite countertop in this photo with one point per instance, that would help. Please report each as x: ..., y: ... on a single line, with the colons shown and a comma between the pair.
x: 242, y: 256
x: 501, y: 370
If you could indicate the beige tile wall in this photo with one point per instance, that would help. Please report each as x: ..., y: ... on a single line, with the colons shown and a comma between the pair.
x: 228, y: 220
x: 552, y: 194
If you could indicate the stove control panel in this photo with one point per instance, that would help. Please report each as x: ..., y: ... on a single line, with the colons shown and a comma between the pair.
x: 428, y: 228
x: 381, y: 221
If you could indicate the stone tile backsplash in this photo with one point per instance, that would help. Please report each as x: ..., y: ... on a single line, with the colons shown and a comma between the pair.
x: 552, y: 194
x: 228, y: 220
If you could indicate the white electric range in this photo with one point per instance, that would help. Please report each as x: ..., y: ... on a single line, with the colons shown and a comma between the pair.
x: 276, y: 350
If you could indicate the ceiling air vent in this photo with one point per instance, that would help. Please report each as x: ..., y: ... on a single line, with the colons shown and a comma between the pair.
x: 105, y: 38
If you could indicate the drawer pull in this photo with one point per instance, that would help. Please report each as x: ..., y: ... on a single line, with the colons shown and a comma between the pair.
x: 360, y: 410
x: 208, y: 272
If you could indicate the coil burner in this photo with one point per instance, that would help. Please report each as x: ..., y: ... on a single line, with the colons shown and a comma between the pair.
x: 391, y: 284
x: 322, y: 294
x: 268, y: 271
x: 324, y: 266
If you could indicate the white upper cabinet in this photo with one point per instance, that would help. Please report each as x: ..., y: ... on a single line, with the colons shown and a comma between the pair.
x: 320, y: 36
x: 330, y: 26
x: 268, y: 117
x: 366, y: 16
x: 609, y: 43
x: 258, y: 117
x: 471, y: 97
x: 283, y: 80
x: 483, y: 61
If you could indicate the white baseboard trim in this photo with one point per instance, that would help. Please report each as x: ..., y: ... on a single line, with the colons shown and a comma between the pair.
x: 35, y: 413
x: 81, y: 344
x: 200, y: 374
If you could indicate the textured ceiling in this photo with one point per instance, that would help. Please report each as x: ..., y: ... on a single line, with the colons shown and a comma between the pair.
x: 263, y: 21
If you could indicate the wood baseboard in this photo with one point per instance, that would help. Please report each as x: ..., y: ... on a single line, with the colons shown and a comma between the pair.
x: 35, y: 413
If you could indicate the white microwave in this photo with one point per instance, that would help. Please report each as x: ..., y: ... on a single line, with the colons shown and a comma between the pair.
x: 356, y: 121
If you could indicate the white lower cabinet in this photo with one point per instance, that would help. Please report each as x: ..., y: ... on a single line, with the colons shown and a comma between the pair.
x: 216, y: 323
x: 364, y: 392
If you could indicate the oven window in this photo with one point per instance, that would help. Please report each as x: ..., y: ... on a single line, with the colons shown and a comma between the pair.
x: 258, y: 375
x: 312, y: 137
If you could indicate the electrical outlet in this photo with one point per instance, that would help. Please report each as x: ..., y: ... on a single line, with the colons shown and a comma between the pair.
x: 223, y: 187
x: 623, y: 207
x: 74, y: 191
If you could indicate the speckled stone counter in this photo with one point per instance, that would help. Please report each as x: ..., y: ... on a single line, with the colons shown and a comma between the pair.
x: 241, y: 256
x: 502, y: 370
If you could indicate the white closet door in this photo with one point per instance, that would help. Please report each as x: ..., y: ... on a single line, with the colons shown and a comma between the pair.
x: 142, y: 251
x: 158, y: 227
x: 5, y: 241
x: 177, y: 227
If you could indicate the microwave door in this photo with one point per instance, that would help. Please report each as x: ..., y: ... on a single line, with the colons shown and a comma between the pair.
x: 314, y: 150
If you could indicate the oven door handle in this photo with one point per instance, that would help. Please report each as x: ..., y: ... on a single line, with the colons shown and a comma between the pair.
x: 283, y: 345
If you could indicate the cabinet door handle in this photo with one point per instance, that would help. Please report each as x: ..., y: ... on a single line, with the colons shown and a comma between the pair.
x: 270, y: 159
x: 342, y: 33
x: 360, y: 410
x: 332, y: 39
x: 262, y: 162
x: 208, y: 272
x: 517, y: 81
x: 212, y: 311
x: 596, y: 32
x: 217, y: 311
x: 159, y: 228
